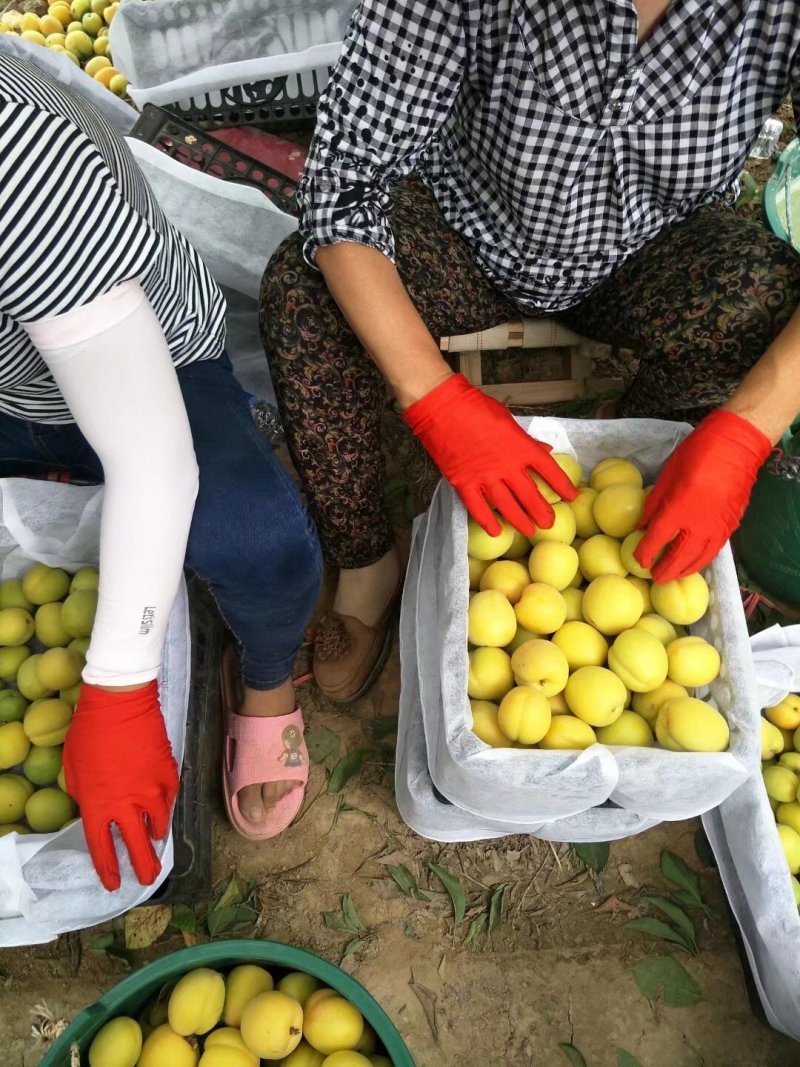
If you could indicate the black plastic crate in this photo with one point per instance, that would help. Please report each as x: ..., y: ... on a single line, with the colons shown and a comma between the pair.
x: 190, y: 878
x: 276, y: 105
x: 201, y: 151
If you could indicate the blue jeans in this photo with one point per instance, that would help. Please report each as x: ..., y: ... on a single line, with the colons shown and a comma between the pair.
x: 251, y: 538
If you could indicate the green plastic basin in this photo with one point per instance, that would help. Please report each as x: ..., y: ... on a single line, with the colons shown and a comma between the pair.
x: 133, y: 992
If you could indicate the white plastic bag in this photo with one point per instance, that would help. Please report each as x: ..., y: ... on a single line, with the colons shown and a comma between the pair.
x: 751, y: 862
x: 431, y: 815
x: 174, y: 50
x: 47, y: 882
x: 526, y: 788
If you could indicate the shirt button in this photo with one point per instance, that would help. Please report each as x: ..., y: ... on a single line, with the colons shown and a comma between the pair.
x: 616, y: 105
x: 324, y: 185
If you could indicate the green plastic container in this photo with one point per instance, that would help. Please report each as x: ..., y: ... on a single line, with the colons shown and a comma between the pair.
x: 768, y: 539
x: 131, y: 995
x: 782, y: 188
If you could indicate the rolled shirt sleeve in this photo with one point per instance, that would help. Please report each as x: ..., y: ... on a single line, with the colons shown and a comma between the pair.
x: 400, y: 70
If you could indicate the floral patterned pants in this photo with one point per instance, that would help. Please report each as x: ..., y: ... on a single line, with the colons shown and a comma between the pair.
x: 698, y: 305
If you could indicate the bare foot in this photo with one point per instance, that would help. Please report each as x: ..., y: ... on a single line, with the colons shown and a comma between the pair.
x: 255, y: 800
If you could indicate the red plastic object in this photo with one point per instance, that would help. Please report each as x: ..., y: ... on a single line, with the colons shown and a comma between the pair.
x: 275, y: 152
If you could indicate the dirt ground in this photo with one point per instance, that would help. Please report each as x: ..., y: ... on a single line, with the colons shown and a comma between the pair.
x: 558, y: 967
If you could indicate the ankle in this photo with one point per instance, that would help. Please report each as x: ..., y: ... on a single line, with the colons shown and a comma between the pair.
x: 364, y: 592
x: 269, y: 702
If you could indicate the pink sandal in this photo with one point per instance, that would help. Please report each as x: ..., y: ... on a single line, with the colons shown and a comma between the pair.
x: 260, y: 749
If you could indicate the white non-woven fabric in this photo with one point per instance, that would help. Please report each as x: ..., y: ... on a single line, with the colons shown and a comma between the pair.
x: 432, y: 816
x: 750, y: 858
x: 233, y: 227
x: 173, y: 50
x: 48, y: 884
x: 529, y: 787
x: 116, y: 112
x: 111, y: 362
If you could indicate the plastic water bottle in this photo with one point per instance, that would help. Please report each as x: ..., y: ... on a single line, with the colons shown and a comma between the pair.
x: 766, y: 146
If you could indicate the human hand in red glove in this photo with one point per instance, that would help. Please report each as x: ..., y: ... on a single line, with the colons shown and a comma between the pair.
x: 700, y: 495
x: 120, y: 769
x: 487, y: 457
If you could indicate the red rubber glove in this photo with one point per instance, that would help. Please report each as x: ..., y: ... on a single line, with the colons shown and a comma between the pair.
x: 700, y: 495
x: 119, y: 768
x: 486, y: 456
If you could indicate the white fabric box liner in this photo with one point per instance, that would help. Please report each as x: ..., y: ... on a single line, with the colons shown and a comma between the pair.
x: 234, y: 227
x: 174, y: 50
x: 116, y: 112
x: 417, y: 801
x: 750, y: 859
x: 48, y: 885
x: 526, y: 788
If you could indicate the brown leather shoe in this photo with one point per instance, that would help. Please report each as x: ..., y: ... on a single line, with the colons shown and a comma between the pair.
x: 349, y: 656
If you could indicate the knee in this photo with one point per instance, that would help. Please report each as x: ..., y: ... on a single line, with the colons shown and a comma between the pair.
x: 260, y: 547
x: 750, y: 303
x: 289, y: 287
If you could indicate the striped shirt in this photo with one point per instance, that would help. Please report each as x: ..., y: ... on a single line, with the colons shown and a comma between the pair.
x: 77, y: 218
x: 554, y: 143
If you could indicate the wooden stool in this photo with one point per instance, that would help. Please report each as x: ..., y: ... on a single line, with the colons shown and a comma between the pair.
x: 576, y: 352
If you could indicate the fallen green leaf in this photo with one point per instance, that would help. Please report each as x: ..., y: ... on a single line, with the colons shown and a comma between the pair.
x: 108, y: 944
x: 657, y: 928
x: 624, y: 1059
x: 476, y: 928
x: 231, y: 892
x: 454, y: 888
x: 236, y: 917
x: 322, y: 744
x: 664, y: 976
x: 405, y: 880
x: 235, y: 907
x: 496, y: 906
x: 348, y: 809
x: 681, y: 874
x: 688, y: 900
x: 594, y: 856
x: 703, y: 849
x: 677, y: 915
x: 184, y: 918
x: 350, y: 914
x: 334, y: 921
x: 572, y: 1054
x: 345, y: 769
x: 355, y: 945
x: 117, y: 952
x: 343, y: 808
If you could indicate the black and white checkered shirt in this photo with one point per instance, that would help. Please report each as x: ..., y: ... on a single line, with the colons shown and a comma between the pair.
x: 554, y: 144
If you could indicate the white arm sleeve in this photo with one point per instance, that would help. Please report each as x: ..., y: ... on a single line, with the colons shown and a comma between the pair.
x: 111, y: 361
